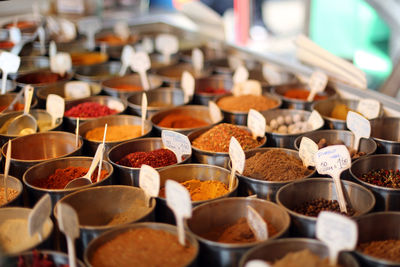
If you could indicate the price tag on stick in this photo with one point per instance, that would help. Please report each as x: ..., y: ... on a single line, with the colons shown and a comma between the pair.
x: 241, y: 75
x: 333, y: 160
x: 338, y: 232
x: 144, y: 110
x: 257, y: 263
x: 126, y: 58
x: 257, y: 224
x: 187, y: 83
x: 149, y: 181
x: 9, y: 63
x: 178, y: 200
x: 121, y: 29
x: 52, y: 49
x: 55, y: 106
x: 315, y: 120
x: 89, y: 26
x: 317, y: 84
x: 214, y: 111
x: 7, y: 169
x: 176, y: 142
x: 76, y: 89
x: 140, y: 64
x: 359, y: 126
x: 77, y: 133
x: 307, y: 150
x: 198, y: 60
x: 370, y: 108
x: 38, y: 216
x: 236, y: 154
x: 68, y: 223
x: 60, y: 63
x: 167, y: 45
x: 256, y: 123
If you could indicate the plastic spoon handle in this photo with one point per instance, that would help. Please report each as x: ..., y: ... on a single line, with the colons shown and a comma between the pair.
x: 94, y: 163
x: 4, y: 83
x: 28, y: 99
x: 7, y: 168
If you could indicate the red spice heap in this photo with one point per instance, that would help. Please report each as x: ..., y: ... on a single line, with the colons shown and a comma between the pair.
x: 156, y: 159
x: 39, y: 77
x: 89, y: 110
x: 383, y: 177
x: 212, y: 90
x: 38, y: 260
x: 61, y: 177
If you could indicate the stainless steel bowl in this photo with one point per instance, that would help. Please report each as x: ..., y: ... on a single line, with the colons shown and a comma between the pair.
x: 97, y: 207
x: 45, y: 169
x: 186, y: 172
x: 112, y: 102
x: 59, y: 258
x: 296, y: 103
x: 110, y: 235
x: 277, y: 249
x: 23, y: 79
x: 240, y: 117
x: 127, y: 175
x: 32, y: 63
x: 131, y: 79
x: 195, y: 111
x: 157, y: 61
x: 114, y: 51
x: 15, y: 184
x: 98, y: 73
x: 386, y: 198
x: 386, y: 133
x: 47, y: 146
x: 79, y: 58
x: 7, y: 98
x: 172, y: 75
x: 208, y: 157
x: 90, y: 146
x: 291, y: 195
x: 171, y: 97
x: 209, y: 216
x: 275, y: 139
x: 265, y: 189
x: 374, y: 227
x: 215, y: 81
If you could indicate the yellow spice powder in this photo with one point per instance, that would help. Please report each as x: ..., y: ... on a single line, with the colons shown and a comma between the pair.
x: 115, y: 133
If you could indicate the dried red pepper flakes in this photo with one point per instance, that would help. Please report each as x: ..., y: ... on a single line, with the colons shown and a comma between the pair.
x: 383, y: 177
x: 156, y: 158
x: 90, y: 110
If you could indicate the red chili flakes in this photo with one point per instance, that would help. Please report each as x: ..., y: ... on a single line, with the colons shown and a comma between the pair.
x: 156, y: 159
x: 89, y: 110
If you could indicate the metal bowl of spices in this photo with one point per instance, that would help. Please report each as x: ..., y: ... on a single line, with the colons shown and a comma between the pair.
x: 6, y: 99
x: 113, y: 43
x: 210, y: 88
x: 222, y: 230
x: 294, y: 96
x: 91, y: 108
x: 381, y: 175
x: 43, y: 147
x: 98, y: 73
x: 141, y: 245
x: 308, y: 252
x: 303, y: 200
x: 236, y: 108
x: 207, y: 140
x: 172, y: 75
x: 40, y: 257
x: 41, y: 78
x: 120, y: 128
x: 52, y: 176
x: 268, y: 169
x: 87, y: 58
x: 204, y: 182
x: 14, y: 192
x: 386, y: 133
x: 127, y: 154
x: 14, y: 234
x: 285, y: 125
x: 184, y: 119
x: 126, y: 85
x: 158, y: 99
x: 378, y: 239
x: 103, y: 208
x: 157, y: 61
x: 32, y: 63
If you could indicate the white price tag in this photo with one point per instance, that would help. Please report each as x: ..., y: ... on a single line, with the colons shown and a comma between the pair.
x: 236, y: 155
x: 214, y: 111
x: 256, y: 123
x: 370, y: 108
x: 121, y: 29
x: 38, y: 216
x: 307, y: 150
x: 359, y: 126
x: 176, y: 142
x: 249, y: 87
x: 60, y: 63
x: 241, y: 75
x: 89, y: 26
x: 15, y: 35
x: 198, y: 60
x: 76, y: 89
x: 115, y: 104
x: 315, y: 120
x: 317, y: 84
x: 140, y: 64
x: 55, y: 106
x: 338, y: 232
x: 149, y: 181
x: 187, y: 83
x: 167, y: 45
x: 70, y: 6
x: 126, y: 58
x: 42, y: 40
x: 144, y: 110
x: 257, y: 224
x: 271, y: 74
x: 257, y: 263
x: 148, y: 45
x: 52, y: 49
x: 9, y: 63
x: 68, y: 30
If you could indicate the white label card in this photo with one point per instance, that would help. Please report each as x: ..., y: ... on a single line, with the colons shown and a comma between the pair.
x: 70, y: 6
x: 60, y: 63
x: 68, y: 30
x: 317, y: 84
x: 271, y: 74
x: 188, y: 84
x: 115, y: 104
x: 167, y: 45
x: 236, y: 155
x: 257, y: 224
x: 256, y: 123
x: 55, y: 106
x: 234, y: 62
x: 141, y: 63
x: 121, y: 29
x: 76, y: 89
x: 241, y: 75
x: 315, y: 120
x: 370, y: 108
x: 148, y: 45
x: 257, y: 263
x: 359, y: 126
x: 307, y: 150
x: 214, y: 111
x: 15, y: 35
x: 176, y: 142
x: 149, y: 181
x: 38, y: 216
x: 9, y: 63
x: 198, y: 60
x: 126, y: 58
x: 338, y: 232
x: 89, y: 26
x: 52, y: 49
x: 249, y: 87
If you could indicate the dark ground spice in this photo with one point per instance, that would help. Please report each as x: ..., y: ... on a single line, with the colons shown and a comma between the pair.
x: 157, y: 158
x: 315, y: 206
x: 39, y: 78
x: 383, y: 249
x: 383, y: 177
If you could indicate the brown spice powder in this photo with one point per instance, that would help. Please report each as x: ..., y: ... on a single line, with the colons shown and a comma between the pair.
x: 244, y: 103
x: 384, y: 249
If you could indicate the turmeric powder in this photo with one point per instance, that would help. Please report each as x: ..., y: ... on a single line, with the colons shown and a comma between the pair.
x: 115, y: 133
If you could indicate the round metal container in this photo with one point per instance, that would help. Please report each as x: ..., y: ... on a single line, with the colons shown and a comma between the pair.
x: 45, y: 169
x: 59, y: 258
x: 32, y: 63
x: 23, y: 214
x: 47, y: 146
x: 172, y: 75
x: 386, y: 198
x: 96, y: 207
x: 195, y: 111
x: 227, y: 211
x: 171, y: 97
x: 131, y: 79
x: 7, y: 98
x: 374, y: 227
x: 210, y: 53
x: 186, y: 172
x: 114, y: 51
x: 157, y: 61
x: 215, y: 81
x: 98, y: 73
x: 12, y: 183
x: 386, y: 133
x: 240, y: 117
x: 296, y: 193
x: 292, y: 103
x: 90, y: 146
x: 11, y: 86
x: 21, y: 80
x: 109, y: 101
x: 110, y: 235
x: 277, y: 249
x: 275, y: 139
x: 221, y: 67
x: 265, y: 189
x: 208, y: 157
x: 127, y: 175
x: 78, y: 58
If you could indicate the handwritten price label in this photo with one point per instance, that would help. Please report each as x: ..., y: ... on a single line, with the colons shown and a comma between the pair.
x: 256, y: 123
x: 76, y: 89
x: 167, y: 45
x: 370, y: 108
x: 317, y: 84
x: 60, y: 63
x: 215, y: 112
x: 332, y: 160
x: 176, y: 142
x: 198, y: 60
x: 359, y: 125
x: 307, y: 150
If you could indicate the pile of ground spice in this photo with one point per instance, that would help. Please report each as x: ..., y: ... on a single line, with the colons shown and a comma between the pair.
x: 11, y: 194
x: 115, y: 133
x: 88, y: 58
x: 275, y: 165
x: 39, y: 77
x: 128, y: 87
x: 142, y: 248
x: 383, y: 249
x: 89, y: 110
x: 302, y: 94
x: 177, y: 120
x: 17, y: 106
x: 217, y: 139
x: 202, y: 190
x: 302, y: 258
x: 157, y: 158
x: 237, y: 233
x: 61, y: 177
x: 244, y: 103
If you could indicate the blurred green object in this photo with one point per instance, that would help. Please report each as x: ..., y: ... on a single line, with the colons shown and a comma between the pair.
x: 353, y: 30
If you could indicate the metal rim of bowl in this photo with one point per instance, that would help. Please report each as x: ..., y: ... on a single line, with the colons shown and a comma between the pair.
x: 204, y: 73
x: 34, y: 59
x: 52, y: 253
x: 20, y: 189
x: 79, y: 76
x: 299, y: 101
x: 219, y: 77
x: 381, y: 139
x: 133, y: 35
x: 127, y: 92
x: 68, y: 77
x: 56, y: 86
x: 13, y: 94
